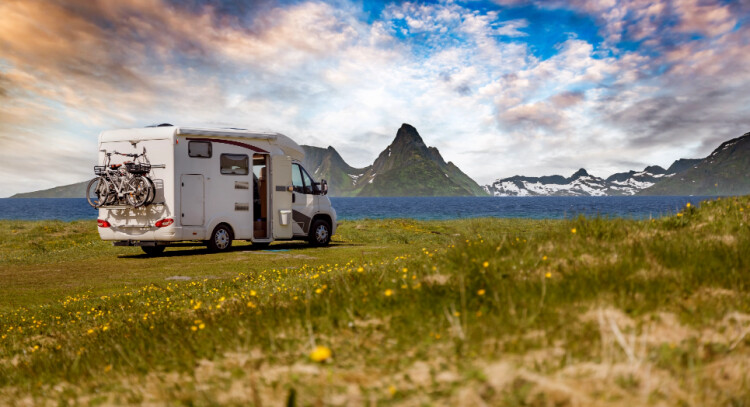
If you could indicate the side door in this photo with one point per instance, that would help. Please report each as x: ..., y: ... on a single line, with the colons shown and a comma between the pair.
x: 191, y: 200
x: 281, y: 181
x: 303, y: 200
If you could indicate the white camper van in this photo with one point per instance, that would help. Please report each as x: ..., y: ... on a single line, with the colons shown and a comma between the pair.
x: 215, y: 186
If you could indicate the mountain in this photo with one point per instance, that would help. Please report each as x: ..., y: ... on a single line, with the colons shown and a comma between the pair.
x: 726, y: 171
x: 407, y: 167
x: 77, y: 190
x: 581, y: 183
x: 326, y: 163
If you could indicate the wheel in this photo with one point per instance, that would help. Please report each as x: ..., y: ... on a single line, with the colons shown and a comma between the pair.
x: 138, y: 191
x: 221, y: 239
x: 153, y: 250
x: 320, y: 233
x: 97, y: 192
x: 151, y: 190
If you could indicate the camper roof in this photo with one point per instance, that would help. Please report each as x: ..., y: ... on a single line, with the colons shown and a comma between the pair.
x: 288, y: 146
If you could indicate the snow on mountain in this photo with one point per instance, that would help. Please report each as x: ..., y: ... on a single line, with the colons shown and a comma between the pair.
x: 581, y: 183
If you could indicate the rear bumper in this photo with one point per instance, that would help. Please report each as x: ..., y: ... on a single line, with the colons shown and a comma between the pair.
x: 142, y: 234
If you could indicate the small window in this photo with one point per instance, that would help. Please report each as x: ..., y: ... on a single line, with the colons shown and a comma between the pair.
x: 200, y: 149
x: 297, y: 183
x: 234, y: 164
x: 309, y: 188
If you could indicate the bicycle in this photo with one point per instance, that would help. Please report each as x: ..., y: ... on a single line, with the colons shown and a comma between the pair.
x: 117, y: 185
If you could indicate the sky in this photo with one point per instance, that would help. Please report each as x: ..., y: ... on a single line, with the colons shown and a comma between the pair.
x: 501, y: 88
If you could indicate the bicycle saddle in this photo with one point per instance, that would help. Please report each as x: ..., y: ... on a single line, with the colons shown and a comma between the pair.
x: 115, y: 166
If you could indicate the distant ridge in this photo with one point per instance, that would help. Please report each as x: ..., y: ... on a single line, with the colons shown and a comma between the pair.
x: 726, y: 171
x: 77, y: 190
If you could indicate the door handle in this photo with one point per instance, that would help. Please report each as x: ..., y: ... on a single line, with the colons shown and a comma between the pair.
x: 294, y: 197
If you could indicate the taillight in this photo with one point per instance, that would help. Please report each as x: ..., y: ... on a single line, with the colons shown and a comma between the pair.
x: 162, y: 223
x: 102, y: 223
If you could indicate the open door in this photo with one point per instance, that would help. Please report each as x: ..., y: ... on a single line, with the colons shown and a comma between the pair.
x: 281, y: 179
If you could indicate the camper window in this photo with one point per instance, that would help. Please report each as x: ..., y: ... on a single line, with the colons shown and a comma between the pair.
x: 297, y: 183
x: 200, y: 149
x: 234, y: 164
x: 309, y: 189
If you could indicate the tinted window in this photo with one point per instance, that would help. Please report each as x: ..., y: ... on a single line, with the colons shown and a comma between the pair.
x: 234, y: 164
x: 299, y: 186
x: 201, y: 149
x: 309, y: 189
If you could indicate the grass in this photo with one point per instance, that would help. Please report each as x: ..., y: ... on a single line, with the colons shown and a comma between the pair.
x: 493, y: 311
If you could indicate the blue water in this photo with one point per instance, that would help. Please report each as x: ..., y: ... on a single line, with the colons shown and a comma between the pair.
x: 634, y: 207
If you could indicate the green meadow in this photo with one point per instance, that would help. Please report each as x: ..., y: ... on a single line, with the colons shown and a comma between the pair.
x: 473, y: 312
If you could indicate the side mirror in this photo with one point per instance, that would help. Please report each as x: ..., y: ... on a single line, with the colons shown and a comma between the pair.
x: 324, y: 187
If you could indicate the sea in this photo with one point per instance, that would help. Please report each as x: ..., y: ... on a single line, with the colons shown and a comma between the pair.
x: 424, y: 208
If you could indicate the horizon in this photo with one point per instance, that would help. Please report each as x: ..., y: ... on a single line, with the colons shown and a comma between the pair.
x: 606, y: 86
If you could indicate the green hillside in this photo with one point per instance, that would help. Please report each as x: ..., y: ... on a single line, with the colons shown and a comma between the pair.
x: 77, y: 190
x: 326, y: 163
x: 725, y: 172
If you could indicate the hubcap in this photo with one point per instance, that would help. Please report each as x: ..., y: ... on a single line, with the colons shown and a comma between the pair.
x: 222, y: 239
x: 321, y: 233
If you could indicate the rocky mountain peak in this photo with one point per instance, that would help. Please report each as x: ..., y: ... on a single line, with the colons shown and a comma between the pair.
x: 406, y: 135
x: 580, y: 173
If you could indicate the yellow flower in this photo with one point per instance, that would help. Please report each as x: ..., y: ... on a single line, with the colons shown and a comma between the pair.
x: 388, y: 292
x: 544, y: 258
x: 480, y: 292
x: 318, y: 291
x: 253, y: 293
x: 679, y: 215
x: 688, y: 204
x: 486, y: 264
x: 548, y: 275
x: 201, y: 326
x: 320, y: 354
x: 193, y: 328
x: 573, y: 231
x: 456, y: 313
x: 360, y: 269
x: 392, y: 390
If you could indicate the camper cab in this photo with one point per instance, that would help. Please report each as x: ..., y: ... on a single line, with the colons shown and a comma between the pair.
x: 215, y: 186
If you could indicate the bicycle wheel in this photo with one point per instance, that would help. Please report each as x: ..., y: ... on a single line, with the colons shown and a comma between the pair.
x: 151, y: 190
x: 138, y: 191
x: 97, y: 192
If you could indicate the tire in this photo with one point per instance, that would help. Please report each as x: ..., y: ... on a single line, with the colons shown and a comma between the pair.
x: 221, y: 238
x: 151, y: 190
x: 97, y: 192
x: 138, y: 191
x: 320, y: 233
x: 153, y: 250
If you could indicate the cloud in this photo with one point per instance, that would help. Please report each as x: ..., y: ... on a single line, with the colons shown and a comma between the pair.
x: 665, y: 79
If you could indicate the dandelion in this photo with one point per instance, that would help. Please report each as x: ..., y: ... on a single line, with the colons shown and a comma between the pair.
x: 480, y: 292
x: 456, y: 313
x: 253, y: 293
x: 360, y: 269
x: 201, y: 326
x: 548, y: 275
x: 107, y: 368
x: 679, y: 215
x: 193, y: 328
x: 320, y: 354
x: 486, y: 264
x: 573, y: 231
x: 392, y: 390
x: 544, y: 258
x: 688, y: 205
x: 388, y: 292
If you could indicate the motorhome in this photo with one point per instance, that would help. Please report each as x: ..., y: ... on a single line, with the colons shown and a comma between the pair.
x: 216, y: 186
